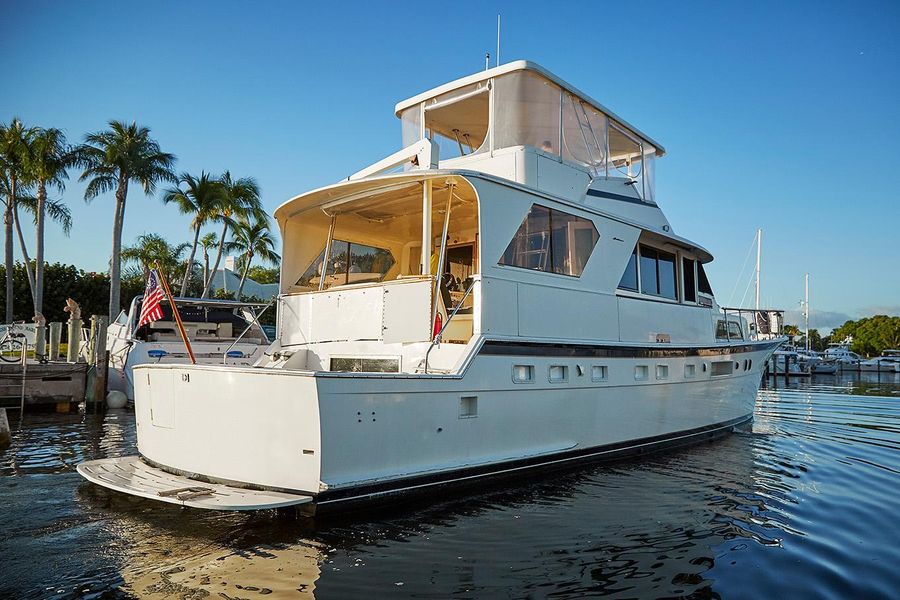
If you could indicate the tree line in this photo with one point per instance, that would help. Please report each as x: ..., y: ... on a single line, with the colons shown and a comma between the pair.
x: 35, y: 161
x: 91, y: 290
x: 869, y: 336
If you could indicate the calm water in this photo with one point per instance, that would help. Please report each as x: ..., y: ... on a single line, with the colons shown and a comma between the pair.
x: 805, y: 504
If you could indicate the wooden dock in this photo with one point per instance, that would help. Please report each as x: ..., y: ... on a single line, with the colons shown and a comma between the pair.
x: 58, y: 386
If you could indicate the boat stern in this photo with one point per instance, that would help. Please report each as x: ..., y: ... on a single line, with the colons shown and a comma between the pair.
x: 249, y: 427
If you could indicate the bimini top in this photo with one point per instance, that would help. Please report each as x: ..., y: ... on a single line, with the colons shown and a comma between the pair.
x: 531, y: 105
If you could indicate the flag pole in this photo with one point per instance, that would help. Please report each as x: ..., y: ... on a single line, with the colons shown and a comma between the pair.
x: 184, y: 337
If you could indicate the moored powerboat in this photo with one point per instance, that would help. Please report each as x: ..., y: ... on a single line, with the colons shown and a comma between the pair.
x: 513, y: 298
x: 888, y: 362
x: 221, y: 332
x: 841, y: 354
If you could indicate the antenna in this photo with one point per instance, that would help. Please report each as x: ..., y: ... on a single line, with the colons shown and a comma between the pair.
x: 487, y: 61
x: 498, y: 40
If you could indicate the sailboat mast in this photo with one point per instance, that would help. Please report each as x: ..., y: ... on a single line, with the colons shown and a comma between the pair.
x: 758, y: 252
x: 806, y: 315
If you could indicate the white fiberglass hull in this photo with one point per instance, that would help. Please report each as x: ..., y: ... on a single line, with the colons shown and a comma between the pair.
x: 343, y: 436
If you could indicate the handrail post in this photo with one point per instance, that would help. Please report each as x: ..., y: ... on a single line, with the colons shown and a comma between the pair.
x: 258, y: 324
x: 449, y: 318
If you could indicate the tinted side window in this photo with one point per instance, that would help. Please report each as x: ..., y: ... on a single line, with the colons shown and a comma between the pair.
x: 702, y: 282
x: 629, y: 277
x: 553, y: 241
x: 658, y: 273
x: 690, y: 283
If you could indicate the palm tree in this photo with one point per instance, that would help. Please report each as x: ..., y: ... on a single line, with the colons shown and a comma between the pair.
x: 47, y: 165
x: 23, y: 199
x: 15, y: 141
x: 240, y: 199
x: 112, y: 158
x: 251, y: 238
x: 202, y: 199
x: 55, y: 209
x: 206, y: 242
x: 150, y: 250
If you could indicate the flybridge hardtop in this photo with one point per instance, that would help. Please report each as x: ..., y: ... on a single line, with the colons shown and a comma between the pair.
x: 503, y: 293
x: 515, y: 67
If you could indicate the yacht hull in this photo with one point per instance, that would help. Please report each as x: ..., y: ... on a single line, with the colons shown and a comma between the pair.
x: 350, y: 437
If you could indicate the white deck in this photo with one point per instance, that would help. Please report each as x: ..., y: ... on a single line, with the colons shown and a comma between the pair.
x: 131, y: 475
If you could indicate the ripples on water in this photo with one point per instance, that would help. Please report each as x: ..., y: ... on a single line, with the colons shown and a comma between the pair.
x: 803, y: 505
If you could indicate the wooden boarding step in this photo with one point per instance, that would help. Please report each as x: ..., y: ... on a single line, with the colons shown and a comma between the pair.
x: 131, y: 475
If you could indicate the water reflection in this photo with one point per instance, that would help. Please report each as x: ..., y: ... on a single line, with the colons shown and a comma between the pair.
x: 800, y: 504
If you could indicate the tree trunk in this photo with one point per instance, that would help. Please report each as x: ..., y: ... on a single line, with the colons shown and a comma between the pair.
x: 25, y: 258
x: 8, y: 225
x: 39, y: 251
x: 244, y: 275
x: 216, y: 264
x: 205, y: 264
x: 115, y: 264
x: 190, y: 263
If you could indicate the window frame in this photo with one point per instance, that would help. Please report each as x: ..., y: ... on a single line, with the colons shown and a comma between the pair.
x: 640, y: 291
x: 585, y: 223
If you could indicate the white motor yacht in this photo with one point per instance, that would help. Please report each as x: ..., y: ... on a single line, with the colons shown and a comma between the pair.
x: 845, y: 359
x: 888, y: 362
x: 221, y: 332
x: 501, y: 295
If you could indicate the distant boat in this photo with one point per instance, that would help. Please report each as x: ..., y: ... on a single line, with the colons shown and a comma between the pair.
x: 817, y: 364
x: 843, y: 357
x: 788, y: 359
x: 888, y: 362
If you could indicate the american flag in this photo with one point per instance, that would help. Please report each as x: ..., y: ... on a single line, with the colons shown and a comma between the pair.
x: 153, y: 295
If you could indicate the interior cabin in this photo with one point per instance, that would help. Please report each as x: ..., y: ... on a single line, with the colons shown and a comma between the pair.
x: 519, y: 208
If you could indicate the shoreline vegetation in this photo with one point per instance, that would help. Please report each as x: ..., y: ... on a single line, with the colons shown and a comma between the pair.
x: 36, y: 161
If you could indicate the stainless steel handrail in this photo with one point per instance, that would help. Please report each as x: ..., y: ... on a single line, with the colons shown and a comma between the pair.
x: 258, y: 324
x: 437, y: 338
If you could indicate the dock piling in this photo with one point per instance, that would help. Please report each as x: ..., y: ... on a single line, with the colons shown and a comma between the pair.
x: 5, y: 435
x: 74, y: 340
x: 40, y: 342
x: 55, y: 337
x: 99, y: 356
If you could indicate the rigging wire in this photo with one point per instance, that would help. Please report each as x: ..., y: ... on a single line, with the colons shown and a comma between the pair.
x: 741, y: 273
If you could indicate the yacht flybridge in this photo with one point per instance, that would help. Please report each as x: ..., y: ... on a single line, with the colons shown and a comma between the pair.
x: 503, y: 293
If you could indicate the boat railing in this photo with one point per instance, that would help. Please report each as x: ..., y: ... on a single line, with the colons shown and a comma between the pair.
x: 763, y: 323
x: 437, y: 338
x: 255, y: 321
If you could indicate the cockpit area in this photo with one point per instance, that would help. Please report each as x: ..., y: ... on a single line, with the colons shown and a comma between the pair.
x: 522, y: 106
x: 360, y: 263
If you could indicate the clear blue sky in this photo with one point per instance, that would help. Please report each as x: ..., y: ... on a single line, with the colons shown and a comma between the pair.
x: 777, y: 115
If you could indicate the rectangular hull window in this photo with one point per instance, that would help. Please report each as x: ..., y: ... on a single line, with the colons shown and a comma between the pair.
x: 468, y: 407
x: 722, y: 368
x: 559, y: 373
x: 552, y: 241
x: 599, y: 373
x: 523, y: 373
x: 352, y: 364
